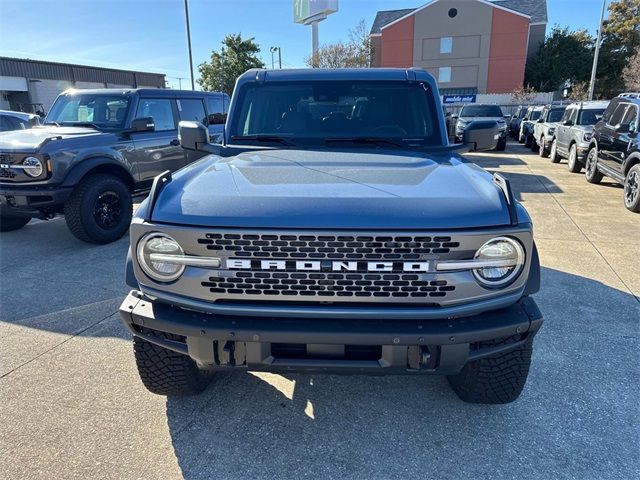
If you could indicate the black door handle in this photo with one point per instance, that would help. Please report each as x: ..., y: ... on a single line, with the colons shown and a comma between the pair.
x: 175, y: 142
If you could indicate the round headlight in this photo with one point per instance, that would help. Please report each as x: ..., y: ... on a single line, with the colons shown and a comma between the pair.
x: 33, y: 166
x: 154, y: 256
x: 504, y: 251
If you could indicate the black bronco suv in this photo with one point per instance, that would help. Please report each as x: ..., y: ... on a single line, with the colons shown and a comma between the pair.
x: 96, y: 149
x: 614, y: 149
x: 333, y: 230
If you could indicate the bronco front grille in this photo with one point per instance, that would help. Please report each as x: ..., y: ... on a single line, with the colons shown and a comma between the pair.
x: 327, y: 284
x: 337, y: 247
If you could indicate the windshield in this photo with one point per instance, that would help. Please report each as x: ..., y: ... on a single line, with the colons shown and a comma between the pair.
x: 522, y: 113
x: 309, y: 112
x: 590, y: 117
x: 101, y: 111
x: 555, y: 115
x: 481, y: 111
x: 535, y: 114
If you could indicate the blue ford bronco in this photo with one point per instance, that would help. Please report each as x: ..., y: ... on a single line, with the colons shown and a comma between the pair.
x: 333, y: 229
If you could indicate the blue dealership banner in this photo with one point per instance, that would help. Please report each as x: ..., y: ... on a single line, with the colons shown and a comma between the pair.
x: 459, y: 99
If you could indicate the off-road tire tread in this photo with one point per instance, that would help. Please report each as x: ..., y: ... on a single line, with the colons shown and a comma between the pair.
x: 73, y: 209
x: 577, y: 166
x: 169, y: 373
x: 543, y: 152
x: 597, y: 176
x: 10, y: 223
x: 636, y: 207
x: 496, y: 379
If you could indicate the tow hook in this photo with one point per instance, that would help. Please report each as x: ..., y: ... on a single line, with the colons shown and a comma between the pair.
x: 419, y: 357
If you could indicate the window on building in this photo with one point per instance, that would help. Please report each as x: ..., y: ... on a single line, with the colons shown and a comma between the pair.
x: 444, y: 74
x: 446, y: 45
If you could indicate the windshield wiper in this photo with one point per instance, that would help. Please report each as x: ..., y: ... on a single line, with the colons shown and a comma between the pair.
x: 51, y: 122
x: 266, y: 138
x: 366, y: 140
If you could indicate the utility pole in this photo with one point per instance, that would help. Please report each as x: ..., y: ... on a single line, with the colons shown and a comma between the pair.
x: 592, y: 83
x: 314, y: 43
x: 186, y: 15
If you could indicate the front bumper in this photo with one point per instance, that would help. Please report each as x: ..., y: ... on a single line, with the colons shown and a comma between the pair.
x: 440, y: 346
x: 31, y: 200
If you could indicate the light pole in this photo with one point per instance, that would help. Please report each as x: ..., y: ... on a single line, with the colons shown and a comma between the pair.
x: 274, y: 50
x: 186, y: 15
x: 592, y: 83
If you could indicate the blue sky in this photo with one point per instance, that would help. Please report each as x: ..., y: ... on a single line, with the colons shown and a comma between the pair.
x: 149, y: 35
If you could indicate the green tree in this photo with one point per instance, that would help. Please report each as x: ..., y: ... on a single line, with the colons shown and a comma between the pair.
x: 350, y: 54
x: 631, y: 73
x: 234, y: 58
x: 564, y: 56
x: 620, y: 38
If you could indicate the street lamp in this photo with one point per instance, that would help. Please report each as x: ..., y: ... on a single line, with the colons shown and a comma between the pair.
x: 274, y: 50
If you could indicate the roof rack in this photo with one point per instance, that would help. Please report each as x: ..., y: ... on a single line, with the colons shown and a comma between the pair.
x: 630, y: 95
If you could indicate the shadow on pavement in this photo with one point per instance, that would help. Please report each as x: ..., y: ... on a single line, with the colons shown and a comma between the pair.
x: 576, y: 418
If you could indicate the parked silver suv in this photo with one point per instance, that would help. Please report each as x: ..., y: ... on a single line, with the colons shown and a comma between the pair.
x: 573, y: 133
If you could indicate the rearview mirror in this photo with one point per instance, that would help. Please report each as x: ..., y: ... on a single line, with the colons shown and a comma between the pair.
x: 193, y: 135
x: 143, y: 124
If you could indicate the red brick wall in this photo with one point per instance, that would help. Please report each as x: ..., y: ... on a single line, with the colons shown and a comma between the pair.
x: 508, y: 51
x: 397, y: 44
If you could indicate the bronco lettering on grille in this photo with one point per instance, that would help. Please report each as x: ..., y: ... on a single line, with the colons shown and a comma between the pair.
x: 326, y: 265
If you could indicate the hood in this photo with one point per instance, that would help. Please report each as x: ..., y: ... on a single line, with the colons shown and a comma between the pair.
x: 32, y: 139
x: 325, y: 189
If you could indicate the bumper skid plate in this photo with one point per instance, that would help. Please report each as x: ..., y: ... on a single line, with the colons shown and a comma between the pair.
x: 332, y: 345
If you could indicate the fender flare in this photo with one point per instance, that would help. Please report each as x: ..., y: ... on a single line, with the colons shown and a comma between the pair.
x: 77, y: 172
x: 533, y: 282
x: 632, y: 159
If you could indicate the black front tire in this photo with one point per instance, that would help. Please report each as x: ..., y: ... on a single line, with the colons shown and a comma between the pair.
x: 573, y: 164
x: 502, y: 145
x: 496, y: 379
x: 554, y: 156
x: 528, y: 140
x: 8, y: 223
x: 591, y: 168
x: 165, y: 372
x: 632, y: 189
x: 543, y: 151
x: 99, y: 209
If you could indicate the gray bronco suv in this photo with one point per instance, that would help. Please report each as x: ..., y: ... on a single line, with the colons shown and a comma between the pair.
x: 96, y: 150
x: 333, y: 230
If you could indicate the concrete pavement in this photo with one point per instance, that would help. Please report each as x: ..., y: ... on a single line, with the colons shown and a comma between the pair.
x: 72, y: 406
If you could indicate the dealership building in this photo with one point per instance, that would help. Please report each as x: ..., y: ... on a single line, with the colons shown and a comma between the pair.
x: 469, y: 46
x: 27, y: 84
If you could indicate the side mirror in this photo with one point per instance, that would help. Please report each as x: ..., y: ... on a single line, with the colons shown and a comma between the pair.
x: 509, y: 116
x: 540, y: 120
x: 193, y: 135
x: 455, y: 116
x: 567, y: 123
x: 217, y: 118
x: 143, y: 124
x: 623, y: 128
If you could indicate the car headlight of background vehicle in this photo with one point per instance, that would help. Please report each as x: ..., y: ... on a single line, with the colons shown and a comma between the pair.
x: 33, y: 166
x: 586, y: 137
x: 551, y: 131
x: 154, y: 256
x: 506, y: 252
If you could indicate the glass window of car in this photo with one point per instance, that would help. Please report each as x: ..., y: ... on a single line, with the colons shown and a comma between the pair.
x: 555, y: 115
x: 567, y: 114
x: 217, y: 107
x: 160, y: 110
x: 481, y: 111
x: 630, y: 116
x: 305, y: 111
x: 535, y: 115
x: 522, y: 113
x: 97, y: 110
x: 192, y: 110
x: 618, y: 113
x: 613, y: 104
